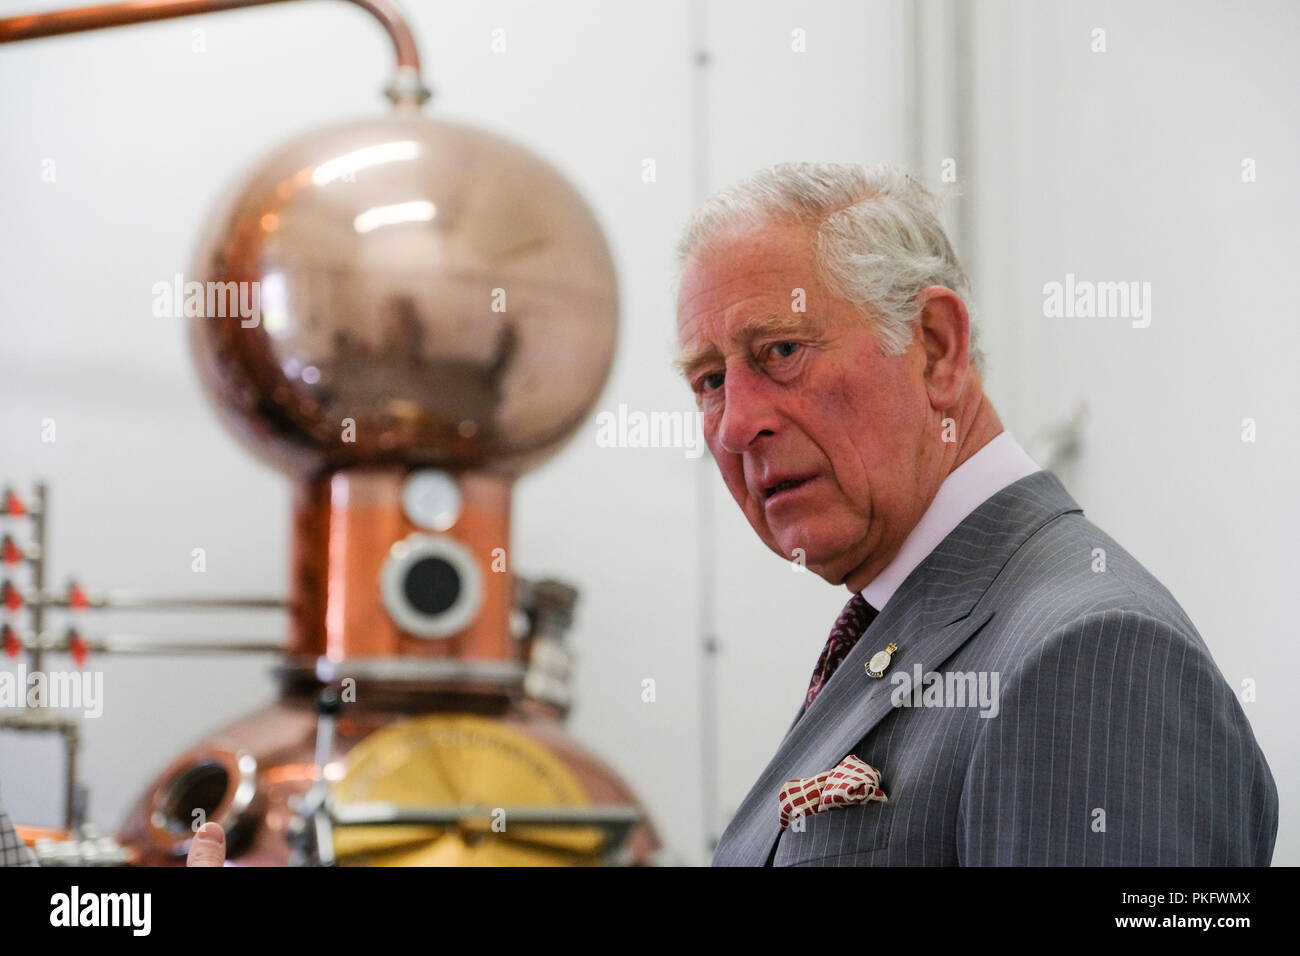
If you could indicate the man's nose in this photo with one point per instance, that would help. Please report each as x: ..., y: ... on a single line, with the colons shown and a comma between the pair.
x: 747, y: 412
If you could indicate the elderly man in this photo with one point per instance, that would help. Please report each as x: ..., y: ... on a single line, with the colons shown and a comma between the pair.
x: 825, y: 334
x: 1006, y: 685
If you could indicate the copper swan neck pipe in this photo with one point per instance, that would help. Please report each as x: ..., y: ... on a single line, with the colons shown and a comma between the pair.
x: 406, y: 88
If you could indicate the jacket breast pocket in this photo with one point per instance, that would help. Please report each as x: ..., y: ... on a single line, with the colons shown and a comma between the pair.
x: 835, y: 837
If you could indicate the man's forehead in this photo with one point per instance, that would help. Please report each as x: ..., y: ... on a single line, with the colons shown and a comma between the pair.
x: 738, y: 300
x: 739, y: 303
x: 752, y: 283
x: 742, y: 258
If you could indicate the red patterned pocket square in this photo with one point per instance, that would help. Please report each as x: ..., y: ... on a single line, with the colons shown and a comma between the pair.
x: 853, y: 781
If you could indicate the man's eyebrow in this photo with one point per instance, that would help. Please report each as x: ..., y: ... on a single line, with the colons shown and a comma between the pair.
x: 691, y: 359
x: 795, y: 325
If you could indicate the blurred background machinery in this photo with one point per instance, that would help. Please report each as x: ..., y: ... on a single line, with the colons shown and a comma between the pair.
x: 402, y: 315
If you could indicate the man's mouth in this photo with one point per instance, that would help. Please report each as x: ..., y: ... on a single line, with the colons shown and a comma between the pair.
x: 784, y: 488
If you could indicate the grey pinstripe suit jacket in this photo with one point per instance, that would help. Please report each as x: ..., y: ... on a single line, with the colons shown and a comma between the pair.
x: 1117, y: 740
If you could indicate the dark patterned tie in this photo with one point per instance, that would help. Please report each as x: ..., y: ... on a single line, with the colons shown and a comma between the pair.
x: 853, y: 620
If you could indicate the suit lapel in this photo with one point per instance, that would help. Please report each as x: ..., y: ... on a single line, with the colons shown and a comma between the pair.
x: 933, y: 613
x: 849, y: 706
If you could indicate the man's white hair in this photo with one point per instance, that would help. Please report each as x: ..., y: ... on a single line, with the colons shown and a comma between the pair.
x: 878, y: 240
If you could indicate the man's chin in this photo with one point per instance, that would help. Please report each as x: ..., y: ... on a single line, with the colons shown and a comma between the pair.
x: 833, y: 565
x: 799, y: 551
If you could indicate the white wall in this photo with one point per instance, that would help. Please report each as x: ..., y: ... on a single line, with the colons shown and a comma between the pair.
x: 1113, y: 166
x: 1127, y: 165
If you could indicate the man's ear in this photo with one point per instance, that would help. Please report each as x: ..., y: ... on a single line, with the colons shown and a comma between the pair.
x: 944, y: 328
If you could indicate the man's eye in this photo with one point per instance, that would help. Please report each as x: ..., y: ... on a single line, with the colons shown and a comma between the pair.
x: 711, y: 381
x: 780, y: 347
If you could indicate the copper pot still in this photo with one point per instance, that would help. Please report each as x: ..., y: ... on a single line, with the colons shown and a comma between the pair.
x: 403, y: 315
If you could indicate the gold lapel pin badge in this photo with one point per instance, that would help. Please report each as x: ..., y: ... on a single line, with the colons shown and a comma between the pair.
x: 880, y: 661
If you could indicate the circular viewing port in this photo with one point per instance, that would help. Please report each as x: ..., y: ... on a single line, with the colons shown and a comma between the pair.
x: 201, y: 787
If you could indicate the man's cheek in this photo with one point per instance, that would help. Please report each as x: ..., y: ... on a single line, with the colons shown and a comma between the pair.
x: 740, y: 494
x: 731, y: 468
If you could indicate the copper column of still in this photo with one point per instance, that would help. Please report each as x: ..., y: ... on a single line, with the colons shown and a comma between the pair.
x: 402, y: 314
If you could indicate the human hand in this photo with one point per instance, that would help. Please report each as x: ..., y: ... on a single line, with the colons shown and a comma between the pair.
x: 208, y: 848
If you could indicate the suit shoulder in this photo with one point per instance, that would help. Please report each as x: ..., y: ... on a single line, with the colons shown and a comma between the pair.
x: 1070, y: 570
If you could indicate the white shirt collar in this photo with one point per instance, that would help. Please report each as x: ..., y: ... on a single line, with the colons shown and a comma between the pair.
x: 999, y: 463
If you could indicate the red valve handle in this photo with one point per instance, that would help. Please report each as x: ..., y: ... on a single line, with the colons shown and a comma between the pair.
x: 12, y: 645
x: 77, y: 648
x: 13, y: 598
x: 77, y: 599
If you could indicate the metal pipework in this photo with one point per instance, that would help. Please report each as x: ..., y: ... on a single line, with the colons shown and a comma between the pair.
x: 41, y: 720
x: 130, y: 601
x: 146, y: 645
x: 406, y: 89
